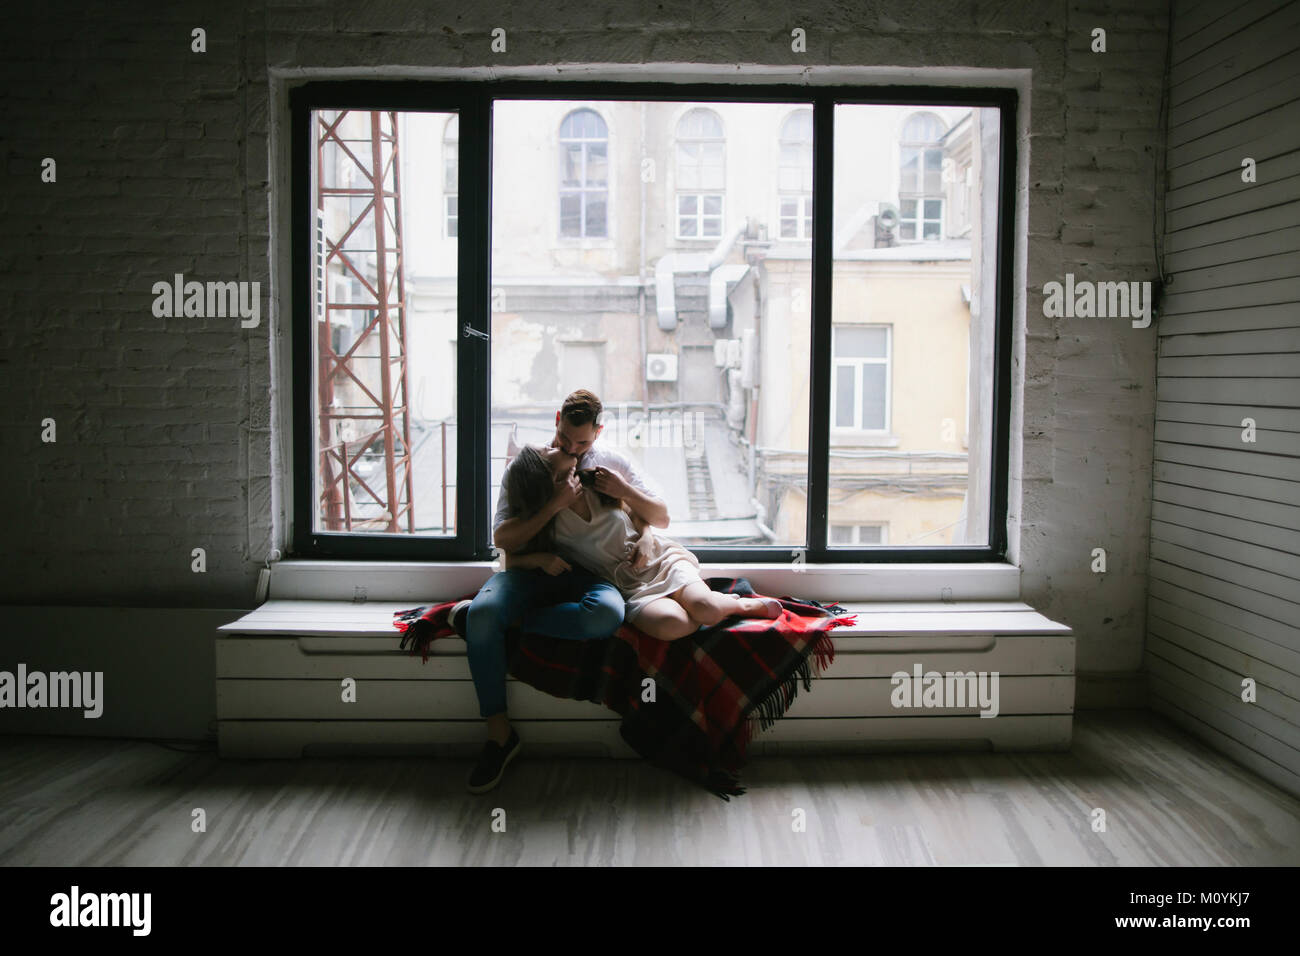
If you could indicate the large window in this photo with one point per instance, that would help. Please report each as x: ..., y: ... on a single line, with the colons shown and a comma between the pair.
x: 920, y: 178
x: 701, y: 174
x: 584, y: 176
x: 450, y: 170
x: 820, y: 368
x: 795, y: 175
x: 861, y: 399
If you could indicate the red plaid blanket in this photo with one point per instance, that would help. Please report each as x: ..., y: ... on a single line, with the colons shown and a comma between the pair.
x: 712, y: 691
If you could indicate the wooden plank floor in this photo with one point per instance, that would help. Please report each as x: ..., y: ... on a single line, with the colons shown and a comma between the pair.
x: 1169, y: 801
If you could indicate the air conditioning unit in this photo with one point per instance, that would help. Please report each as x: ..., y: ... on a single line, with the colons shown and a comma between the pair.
x: 320, y: 265
x: 887, y: 216
x: 661, y: 367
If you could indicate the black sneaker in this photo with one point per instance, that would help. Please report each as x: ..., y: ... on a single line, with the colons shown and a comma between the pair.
x: 492, y: 763
x: 458, y: 616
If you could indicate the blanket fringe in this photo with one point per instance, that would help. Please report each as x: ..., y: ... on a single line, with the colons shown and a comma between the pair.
x: 775, y: 705
x: 724, y: 783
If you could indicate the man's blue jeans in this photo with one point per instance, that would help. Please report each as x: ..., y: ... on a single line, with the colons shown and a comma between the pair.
x: 575, y: 605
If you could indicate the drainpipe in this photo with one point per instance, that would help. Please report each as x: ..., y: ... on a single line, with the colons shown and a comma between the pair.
x: 760, y: 517
x: 641, y: 286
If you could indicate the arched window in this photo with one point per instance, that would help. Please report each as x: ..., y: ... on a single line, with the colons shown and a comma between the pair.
x: 701, y: 175
x: 584, y: 176
x: 920, y: 180
x: 794, y: 176
x: 451, y: 177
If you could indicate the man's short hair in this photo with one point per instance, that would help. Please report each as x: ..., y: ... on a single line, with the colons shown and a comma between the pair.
x: 581, y: 408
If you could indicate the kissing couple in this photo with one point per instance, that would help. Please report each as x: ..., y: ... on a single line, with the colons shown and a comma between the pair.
x: 577, y: 526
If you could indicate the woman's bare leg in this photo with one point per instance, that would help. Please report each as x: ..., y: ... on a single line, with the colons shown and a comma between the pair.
x: 665, y: 619
x: 707, y: 606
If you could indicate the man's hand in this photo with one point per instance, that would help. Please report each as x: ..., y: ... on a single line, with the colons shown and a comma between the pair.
x: 644, y: 552
x: 566, y: 492
x: 553, y: 564
x: 610, y: 482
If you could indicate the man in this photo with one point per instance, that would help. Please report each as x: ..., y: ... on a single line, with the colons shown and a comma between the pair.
x: 567, y: 603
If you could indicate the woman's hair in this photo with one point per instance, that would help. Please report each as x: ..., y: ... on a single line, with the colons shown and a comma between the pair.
x: 588, y: 478
x: 529, y: 485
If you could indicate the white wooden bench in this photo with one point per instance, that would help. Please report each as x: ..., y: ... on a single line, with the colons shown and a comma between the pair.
x: 280, y: 670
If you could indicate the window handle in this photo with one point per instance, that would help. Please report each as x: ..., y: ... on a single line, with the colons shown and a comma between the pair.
x: 468, y: 332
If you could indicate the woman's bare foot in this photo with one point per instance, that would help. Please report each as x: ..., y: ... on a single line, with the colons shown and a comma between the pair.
x: 760, y: 607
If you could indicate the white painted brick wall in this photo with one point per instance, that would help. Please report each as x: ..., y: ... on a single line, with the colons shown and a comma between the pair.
x: 164, y: 424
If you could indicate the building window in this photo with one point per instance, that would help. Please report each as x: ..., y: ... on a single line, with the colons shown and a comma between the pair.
x: 701, y: 175
x: 864, y: 534
x: 584, y: 176
x: 861, y: 377
x: 794, y: 177
x: 798, y: 393
x: 450, y: 176
x: 920, y: 179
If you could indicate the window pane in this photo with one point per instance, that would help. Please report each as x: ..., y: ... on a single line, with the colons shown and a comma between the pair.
x: 920, y: 482
x: 369, y: 476
x: 861, y: 341
x: 909, y: 176
x: 844, y: 378
x: 596, y: 215
x: 571, y: 165
x: 933, y: 171
x: 725, y: 447
x: 873, y: 395
x: 688, y: 170
x: 570, y: 214
x: 712, y: 173
x: 841, y: 534
x: 597, y: 173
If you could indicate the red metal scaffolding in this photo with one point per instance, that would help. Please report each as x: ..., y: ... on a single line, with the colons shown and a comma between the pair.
x: 370, y: 175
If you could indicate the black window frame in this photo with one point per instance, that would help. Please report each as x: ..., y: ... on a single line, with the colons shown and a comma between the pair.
x: 473, y: 101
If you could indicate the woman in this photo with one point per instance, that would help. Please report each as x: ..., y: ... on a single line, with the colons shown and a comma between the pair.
x: 658, y: 578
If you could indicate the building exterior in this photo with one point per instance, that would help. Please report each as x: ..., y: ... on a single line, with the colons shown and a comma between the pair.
x: 660, y: 254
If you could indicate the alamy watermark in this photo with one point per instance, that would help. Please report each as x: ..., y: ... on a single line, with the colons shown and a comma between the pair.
x: 58, y: 689
x: 946, y: 690
x: 199, y: 300
x: 657, y: 428
x: 1100, y: 300
x: 74, y: 908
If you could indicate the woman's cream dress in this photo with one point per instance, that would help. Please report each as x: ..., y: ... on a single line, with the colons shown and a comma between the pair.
x: 605, y: 546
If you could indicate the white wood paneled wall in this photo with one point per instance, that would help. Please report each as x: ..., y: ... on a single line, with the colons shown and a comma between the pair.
x: 1224, y: 598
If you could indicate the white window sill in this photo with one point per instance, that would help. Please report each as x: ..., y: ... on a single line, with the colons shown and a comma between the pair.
x: 425, y: 582
x: 845, y: 437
